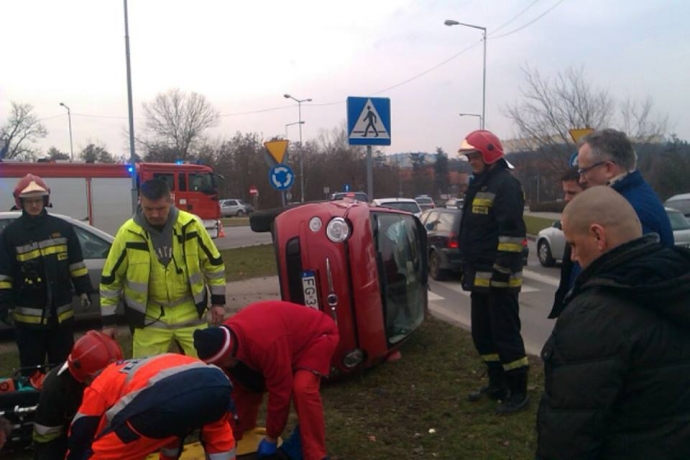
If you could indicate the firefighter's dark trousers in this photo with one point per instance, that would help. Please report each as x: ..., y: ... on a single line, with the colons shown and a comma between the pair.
x: 35, y: 345
x: 496, y: 329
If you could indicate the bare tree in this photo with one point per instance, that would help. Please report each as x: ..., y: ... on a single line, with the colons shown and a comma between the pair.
x: 441, y: 175
x: 96, y: 152
x: 640, y: 123
x: 21, y: 129
x: 550, y: 108
x: 176, y: 121
x: 55, y: 154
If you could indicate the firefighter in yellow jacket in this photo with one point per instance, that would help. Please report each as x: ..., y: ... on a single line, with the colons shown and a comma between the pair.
x: 162, y: 265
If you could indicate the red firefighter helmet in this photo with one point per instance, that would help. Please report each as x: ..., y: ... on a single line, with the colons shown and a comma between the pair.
x: 484, y: 142
x: 91, y: 354
x: 31, y: 186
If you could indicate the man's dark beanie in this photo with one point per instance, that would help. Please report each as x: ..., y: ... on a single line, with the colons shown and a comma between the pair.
x: 212, y: 343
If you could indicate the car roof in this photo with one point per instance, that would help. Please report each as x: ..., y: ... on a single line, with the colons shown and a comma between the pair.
x: 682, y: 196
x: 446, y: 210
x: 399, y: 200
x: 71, y: 220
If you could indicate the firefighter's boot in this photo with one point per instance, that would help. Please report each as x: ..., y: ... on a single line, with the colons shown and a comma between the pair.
x: 496, y: 389
x: 518, y: 399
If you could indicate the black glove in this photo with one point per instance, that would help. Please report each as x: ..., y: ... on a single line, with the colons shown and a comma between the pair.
x: 6, y: 317
x: 500, y: 277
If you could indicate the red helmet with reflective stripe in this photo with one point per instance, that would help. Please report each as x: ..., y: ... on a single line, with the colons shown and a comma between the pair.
x: 31, y: 186
x: 484, y: 142
x: 91, y: 354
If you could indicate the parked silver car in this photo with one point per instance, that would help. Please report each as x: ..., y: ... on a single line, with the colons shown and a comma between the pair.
x: 680, y: 202
x: 551, y: 241
x: 425, y: 202
x: 403, y: 204
x: 95, y: 245
x: 234, y: 207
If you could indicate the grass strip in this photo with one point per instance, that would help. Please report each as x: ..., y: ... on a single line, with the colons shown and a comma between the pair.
x: 249, y: 262
x: 535, y: 224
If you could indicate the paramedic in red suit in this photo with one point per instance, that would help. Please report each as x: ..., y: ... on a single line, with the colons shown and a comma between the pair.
x: 281, y: 348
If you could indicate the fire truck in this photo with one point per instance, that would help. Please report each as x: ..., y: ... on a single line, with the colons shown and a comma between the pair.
x: 101, y: 193
x: 364, y: 266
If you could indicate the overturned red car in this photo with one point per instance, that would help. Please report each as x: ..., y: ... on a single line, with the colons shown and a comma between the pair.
x: 364, y: 266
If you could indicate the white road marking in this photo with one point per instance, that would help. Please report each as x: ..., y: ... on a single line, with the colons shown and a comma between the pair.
x: 432, y: 297
x: 550, y: 280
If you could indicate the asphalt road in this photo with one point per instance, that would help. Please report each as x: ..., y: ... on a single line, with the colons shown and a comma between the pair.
x: 236, y: 237
x: 448, y: 301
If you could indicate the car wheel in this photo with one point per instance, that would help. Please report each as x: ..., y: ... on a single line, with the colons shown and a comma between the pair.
x: 262, y: 221
x: 240, y: 213
x: 435, y: 270
x: 544, y: 254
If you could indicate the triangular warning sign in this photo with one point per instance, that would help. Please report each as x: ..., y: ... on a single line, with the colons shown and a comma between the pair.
x: 277, y: 149
x: 369, y: 125
x: 578, y: 134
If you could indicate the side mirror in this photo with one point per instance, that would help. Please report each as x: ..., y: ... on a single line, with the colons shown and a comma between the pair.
x: 557, y: 225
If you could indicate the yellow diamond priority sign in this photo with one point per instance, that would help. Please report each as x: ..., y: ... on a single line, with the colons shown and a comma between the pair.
x: 277, y: 149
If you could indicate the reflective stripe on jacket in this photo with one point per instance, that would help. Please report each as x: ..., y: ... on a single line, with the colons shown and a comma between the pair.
x: 127, y: 391
x: 40, y: 261
x: 127, y: 271
x: 492, y: 231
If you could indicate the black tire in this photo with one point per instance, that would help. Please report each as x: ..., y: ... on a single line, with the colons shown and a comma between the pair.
x: 544, y: 254
x: 262, y: 221
x: 240, y: 213
x: 435, y: 270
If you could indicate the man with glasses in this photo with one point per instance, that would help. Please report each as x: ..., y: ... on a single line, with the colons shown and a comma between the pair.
x: 606, y: 157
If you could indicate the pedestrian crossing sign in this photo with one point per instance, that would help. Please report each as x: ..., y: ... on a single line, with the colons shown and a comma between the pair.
x: 369, y: 120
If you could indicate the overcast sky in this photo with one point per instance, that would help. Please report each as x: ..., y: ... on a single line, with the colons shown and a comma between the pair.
x: 244, y: 55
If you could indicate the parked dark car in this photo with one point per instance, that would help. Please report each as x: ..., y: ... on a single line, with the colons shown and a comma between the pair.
x: 442, y: 230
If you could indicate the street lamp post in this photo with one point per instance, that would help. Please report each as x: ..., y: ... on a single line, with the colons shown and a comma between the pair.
x: 291, y: 124
x: 69, y: 117
x: 132, y: 155
x: 301, y: 147
x: 450, y: 22
x: 481, y: 122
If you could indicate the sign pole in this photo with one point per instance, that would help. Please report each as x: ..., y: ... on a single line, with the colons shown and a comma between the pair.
x: 370, y: 174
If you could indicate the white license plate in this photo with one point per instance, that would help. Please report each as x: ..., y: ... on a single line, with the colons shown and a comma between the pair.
x: 311, y: 294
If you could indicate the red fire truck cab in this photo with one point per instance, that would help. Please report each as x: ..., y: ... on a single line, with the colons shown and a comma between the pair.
x: 365, y: 267
x: 101, y: 193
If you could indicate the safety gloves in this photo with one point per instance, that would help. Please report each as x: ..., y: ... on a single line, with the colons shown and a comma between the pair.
x: 267, y: 448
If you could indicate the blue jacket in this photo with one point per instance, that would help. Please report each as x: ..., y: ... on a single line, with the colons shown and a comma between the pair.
x: 647, y: 205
